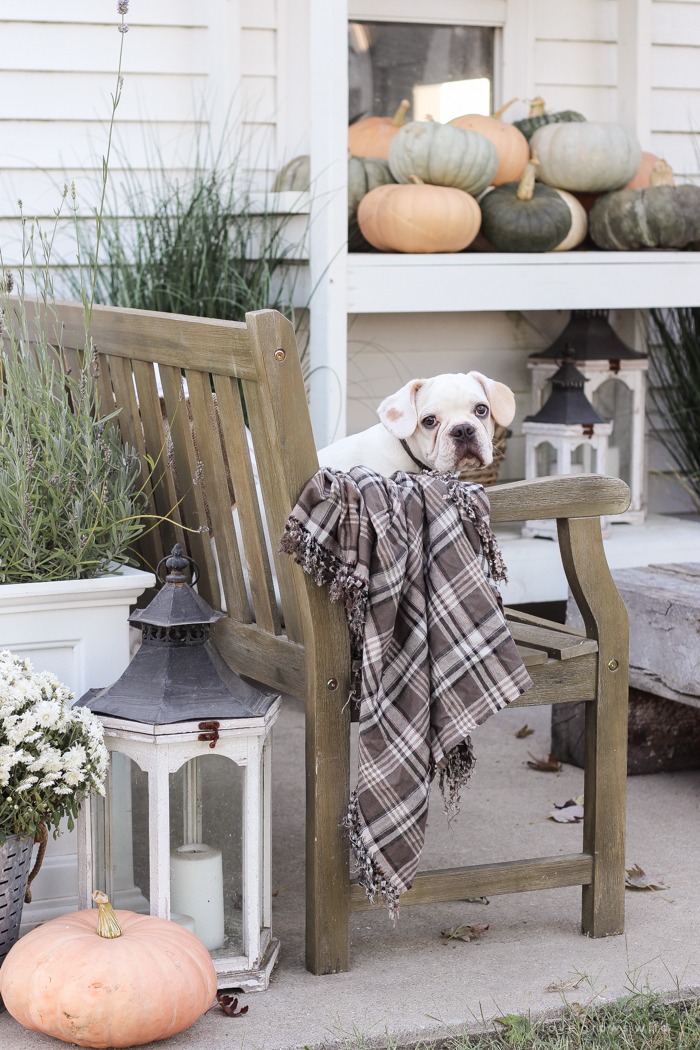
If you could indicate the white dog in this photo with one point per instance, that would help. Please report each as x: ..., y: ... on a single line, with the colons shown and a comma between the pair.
x: 445, y: 424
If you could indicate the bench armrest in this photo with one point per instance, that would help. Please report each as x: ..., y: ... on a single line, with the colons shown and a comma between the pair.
x: 560, y: 496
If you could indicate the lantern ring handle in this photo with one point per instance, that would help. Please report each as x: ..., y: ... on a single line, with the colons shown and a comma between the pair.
x: 195, y: 568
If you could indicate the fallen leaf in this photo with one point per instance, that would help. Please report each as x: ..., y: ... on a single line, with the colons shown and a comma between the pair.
x: 525, y: 731
x: 637, y: 879
x: 545, y: 765
x: 463, y: 933
x: 563, y: 986
x: 570, y: 813
x: 229, y: 1003
x: 518, y: 1027
x: 279, y: 891
x: 476, y: 900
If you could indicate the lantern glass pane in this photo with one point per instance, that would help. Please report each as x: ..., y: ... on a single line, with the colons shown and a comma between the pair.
x: 120, y: 836
x: 613, y: 400
x: 546, y: 460
x: 206, y: 849
x: 584, y: 460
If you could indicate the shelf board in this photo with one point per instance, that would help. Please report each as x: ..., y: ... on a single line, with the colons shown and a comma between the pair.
x: 385, y: 283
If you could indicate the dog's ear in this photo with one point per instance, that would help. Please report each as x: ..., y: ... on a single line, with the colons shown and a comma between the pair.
x: 500, y: 398
x: 398, y: 412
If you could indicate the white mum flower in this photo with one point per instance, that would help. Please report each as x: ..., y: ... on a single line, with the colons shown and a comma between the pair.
x: 75, y: 758
x: 48, y: 713
x: 73, y: 778
x: 26, y: 783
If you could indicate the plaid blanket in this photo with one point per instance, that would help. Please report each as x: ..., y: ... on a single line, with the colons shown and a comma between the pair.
x: 414, y: 561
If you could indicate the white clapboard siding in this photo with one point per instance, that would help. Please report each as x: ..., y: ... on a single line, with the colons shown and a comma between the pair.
x: 103, y: 12
x: 575, y: 55
x: 675, y: 79
x: 258, y: 14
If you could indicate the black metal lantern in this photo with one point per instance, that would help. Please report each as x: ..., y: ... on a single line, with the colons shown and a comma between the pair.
x: 178, y: 673
x: 567, y: 403
x: 183, y: 831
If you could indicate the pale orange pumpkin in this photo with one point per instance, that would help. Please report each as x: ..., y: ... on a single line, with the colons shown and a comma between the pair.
x: 641, y: 179
x: 150, y: 980
x: 417, y: 218
x: 511, y: 145
x: 373, y: 136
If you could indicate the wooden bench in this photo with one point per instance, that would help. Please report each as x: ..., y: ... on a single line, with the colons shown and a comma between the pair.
x: 254, y: 370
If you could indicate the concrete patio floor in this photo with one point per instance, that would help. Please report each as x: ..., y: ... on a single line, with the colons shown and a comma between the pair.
x: 405, y: 984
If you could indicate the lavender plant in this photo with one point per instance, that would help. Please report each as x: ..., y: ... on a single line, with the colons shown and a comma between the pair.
x: 70, y: 503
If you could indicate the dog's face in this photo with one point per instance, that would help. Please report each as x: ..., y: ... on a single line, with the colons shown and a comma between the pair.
x: 448, y: 421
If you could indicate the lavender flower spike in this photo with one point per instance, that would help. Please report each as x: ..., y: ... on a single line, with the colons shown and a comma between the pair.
x: 123, y: 7
x: 124, y: 28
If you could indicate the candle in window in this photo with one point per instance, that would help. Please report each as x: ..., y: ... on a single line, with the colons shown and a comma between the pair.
x: 197, y: 889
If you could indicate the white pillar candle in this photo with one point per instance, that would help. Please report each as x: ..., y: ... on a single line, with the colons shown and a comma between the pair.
x: 197, y: 889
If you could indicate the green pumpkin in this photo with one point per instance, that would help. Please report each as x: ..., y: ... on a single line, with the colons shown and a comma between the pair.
x: 524, y: 216
x: 294, y: 176
x: 537, y: 118
x: 662, y: 216
x: 443, y: 155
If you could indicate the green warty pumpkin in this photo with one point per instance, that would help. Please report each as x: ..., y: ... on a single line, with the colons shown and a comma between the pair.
x: 662, y: 216
x: 296, y: 175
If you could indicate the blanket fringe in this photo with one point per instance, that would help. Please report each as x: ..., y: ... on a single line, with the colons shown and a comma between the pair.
x: 454, y: 774
x: 460, y: 493
x: 369, y: 876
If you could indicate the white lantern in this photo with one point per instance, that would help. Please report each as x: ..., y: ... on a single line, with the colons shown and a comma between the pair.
x: 566, y: 436
x: 615, y: 382
x: 183, y: 831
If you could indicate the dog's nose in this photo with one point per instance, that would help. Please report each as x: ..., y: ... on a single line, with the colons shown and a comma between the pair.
x: 463, y: 432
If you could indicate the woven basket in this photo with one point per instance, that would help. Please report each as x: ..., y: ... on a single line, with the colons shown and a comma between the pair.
x: 487, y: 476
x: 15, y: 862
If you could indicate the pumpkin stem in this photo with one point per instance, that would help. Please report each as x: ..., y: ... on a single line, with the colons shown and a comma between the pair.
x: 397, y: 119
x: 416, y: 179
x: 107, y: 925
x: 536, y: 107
x: 662, y: 174
x: 499, y: 112
x: 526, y: 188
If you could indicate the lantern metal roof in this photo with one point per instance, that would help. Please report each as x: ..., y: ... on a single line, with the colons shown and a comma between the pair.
x: 567, y: 403
x: 589, y: 336
x: 178, y: 674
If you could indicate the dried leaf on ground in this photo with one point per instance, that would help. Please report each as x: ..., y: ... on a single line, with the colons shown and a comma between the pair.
x: 545, y: 765
x: 563, y: 986
x: 229, y: 1004
x: 637, y: 879
x: 525, y: 731
x: 463, y: 932
x: 476, y: 900
x: 570, y: 813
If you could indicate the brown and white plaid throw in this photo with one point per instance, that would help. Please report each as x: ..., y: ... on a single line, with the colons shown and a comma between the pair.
x: 414, y: 561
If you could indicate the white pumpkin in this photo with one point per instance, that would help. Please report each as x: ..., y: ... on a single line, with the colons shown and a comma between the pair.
x: 579, y: 223
x: 586, y: 157
x: 443, y: 155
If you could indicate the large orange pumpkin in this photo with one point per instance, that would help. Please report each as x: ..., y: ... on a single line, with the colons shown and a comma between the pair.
x: 641, y: 179
x: 511, y: 145
x: 414, y: 217
x: 150, y: 981
x: 373, y: 137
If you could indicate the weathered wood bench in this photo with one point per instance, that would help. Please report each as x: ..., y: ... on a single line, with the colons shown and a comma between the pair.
x: 254, y: 369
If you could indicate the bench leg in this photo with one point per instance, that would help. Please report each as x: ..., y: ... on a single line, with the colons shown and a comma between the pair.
x: 605, y: 616
x: 327, y: 853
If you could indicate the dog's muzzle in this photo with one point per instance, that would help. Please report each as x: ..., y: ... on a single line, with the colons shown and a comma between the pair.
x: 466, y: 440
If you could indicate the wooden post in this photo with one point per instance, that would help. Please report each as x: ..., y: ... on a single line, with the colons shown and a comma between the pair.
x: 605, y: 777
x: 290, y: 462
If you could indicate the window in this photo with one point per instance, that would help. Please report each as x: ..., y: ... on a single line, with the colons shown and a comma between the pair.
x: 443, y: 71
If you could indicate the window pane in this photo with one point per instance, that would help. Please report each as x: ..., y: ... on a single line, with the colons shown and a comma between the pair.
x: 443, y: 71
x: 120, y: 836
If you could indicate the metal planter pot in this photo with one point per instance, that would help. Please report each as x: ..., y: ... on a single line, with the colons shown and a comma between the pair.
x: 15, y: 864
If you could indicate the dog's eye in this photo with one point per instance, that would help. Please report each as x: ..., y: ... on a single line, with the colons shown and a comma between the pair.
x: 430, y: 422
x: 482, y: 411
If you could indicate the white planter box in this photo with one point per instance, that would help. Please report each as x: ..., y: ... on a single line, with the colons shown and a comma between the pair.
x: 79, y: 630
